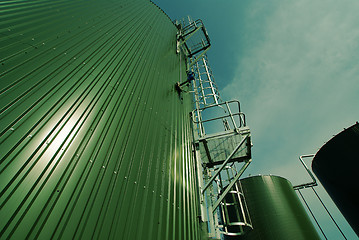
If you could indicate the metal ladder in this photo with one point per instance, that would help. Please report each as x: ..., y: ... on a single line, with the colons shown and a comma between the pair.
x: 222, y: 143
x: 234, y: 212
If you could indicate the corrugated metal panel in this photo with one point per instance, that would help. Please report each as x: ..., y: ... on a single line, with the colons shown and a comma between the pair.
x: 275, y: 210
x: 95, y: 141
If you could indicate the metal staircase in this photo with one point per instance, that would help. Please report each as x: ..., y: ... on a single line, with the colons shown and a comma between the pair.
x: 222, y: 141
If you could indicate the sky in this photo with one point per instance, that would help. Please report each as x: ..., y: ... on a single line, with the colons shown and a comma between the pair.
x: 294, y: 66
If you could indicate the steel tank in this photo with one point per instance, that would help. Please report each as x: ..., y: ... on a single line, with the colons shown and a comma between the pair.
x: 275, y: 210
x: 336, y: 165
x: 95, y: 142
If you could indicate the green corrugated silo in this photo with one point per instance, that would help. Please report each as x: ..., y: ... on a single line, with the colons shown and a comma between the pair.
x: 275, y: 210
x: 95, y: 141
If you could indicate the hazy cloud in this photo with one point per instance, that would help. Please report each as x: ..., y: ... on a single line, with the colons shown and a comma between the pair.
x: 298, y: 78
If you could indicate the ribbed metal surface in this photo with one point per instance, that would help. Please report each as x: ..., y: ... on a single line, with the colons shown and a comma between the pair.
x: 95, y: 141
x: 275, y: 210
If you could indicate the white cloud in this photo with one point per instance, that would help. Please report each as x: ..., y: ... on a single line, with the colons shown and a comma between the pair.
x: 298, y: 83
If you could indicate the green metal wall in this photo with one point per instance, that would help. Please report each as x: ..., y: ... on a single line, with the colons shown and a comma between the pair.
x: 275, y: 210
x: 95, y: 141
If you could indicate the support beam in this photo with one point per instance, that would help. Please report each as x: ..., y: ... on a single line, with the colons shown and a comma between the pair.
x: 224, y: 163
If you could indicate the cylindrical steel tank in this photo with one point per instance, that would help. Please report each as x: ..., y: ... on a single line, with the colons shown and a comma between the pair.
x: 275, y: 210
x: 95, y: 142
x: 336, y: 165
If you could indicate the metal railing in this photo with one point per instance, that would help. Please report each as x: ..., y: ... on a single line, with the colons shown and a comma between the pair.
x: 311, y: 185
x: 193, y: 39
x: 227, y: 117
x: 215, y: 150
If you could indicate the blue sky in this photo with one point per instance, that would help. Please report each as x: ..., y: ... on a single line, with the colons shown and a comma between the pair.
x: 294, y: 66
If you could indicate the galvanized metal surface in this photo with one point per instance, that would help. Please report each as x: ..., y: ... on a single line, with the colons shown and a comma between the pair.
x: 95, y: 141
x: 275, y: 210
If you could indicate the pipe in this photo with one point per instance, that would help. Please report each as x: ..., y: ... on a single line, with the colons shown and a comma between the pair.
x: 320, y: 228
x: 310, y: 184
